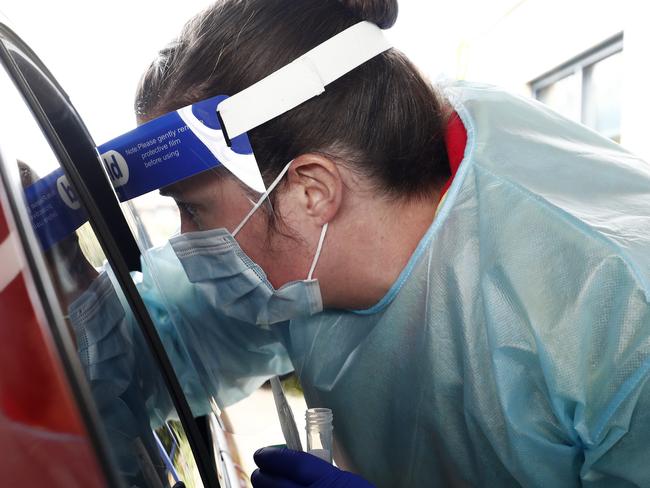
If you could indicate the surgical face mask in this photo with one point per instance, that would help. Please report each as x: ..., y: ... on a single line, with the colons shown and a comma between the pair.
x: 231, y: 282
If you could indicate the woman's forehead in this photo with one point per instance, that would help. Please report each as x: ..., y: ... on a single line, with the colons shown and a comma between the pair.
x: 199, y: 183
x: 208, y: 184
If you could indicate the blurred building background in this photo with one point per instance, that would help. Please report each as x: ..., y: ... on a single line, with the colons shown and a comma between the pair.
x: 587, y: 59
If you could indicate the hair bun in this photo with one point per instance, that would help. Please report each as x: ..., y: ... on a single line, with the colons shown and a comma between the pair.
x: 380, y: 12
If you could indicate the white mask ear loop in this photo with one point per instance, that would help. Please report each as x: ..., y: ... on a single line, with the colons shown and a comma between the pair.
x: 319, y: 249
x: 262, y: 198
x: 266, y: 194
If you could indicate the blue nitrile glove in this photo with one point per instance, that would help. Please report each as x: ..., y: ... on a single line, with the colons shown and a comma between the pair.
x: 284, y: 468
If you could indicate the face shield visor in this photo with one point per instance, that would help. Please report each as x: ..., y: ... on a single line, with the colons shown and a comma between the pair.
x: 208, y: 135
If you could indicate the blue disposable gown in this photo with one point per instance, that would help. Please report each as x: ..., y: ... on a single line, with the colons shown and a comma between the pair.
x: 515, y: 346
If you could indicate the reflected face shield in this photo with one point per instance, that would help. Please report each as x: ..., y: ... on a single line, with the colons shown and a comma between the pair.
x: 204, y: 136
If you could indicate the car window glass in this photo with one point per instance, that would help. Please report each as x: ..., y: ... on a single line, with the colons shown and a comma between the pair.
x: 129, y: 393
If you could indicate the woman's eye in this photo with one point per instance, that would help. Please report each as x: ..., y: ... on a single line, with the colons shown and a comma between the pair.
x: 189, y: 210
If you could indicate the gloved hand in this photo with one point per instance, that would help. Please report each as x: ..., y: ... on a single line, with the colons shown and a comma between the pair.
x: 284, y: 468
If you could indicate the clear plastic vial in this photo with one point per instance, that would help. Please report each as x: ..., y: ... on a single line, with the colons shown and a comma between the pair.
x: 319, y: 432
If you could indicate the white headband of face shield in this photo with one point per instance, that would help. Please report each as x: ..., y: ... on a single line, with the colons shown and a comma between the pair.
x: 302, y: 79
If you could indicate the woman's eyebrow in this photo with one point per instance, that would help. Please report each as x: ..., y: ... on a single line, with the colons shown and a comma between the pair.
x: 170, y: 191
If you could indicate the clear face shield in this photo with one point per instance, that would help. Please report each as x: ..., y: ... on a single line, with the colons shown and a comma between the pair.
x: 185, y: 155
x: 219, y: 318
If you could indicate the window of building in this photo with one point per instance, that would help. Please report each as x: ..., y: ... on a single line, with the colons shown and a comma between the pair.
x: 588, y: 89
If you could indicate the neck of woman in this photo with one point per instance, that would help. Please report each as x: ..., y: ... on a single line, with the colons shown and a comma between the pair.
x: 367, y: 250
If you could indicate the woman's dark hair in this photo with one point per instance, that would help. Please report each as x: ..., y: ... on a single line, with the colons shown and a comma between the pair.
x: 383, y: 119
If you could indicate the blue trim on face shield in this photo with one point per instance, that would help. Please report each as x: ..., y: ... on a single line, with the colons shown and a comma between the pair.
x: 161, y: 152
x: 169, y: 149
x: 55, y: 208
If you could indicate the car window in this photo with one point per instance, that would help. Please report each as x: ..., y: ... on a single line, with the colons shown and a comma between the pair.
x: 132, y: 398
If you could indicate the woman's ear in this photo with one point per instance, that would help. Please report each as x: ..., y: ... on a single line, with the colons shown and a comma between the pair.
x: 316, y: 183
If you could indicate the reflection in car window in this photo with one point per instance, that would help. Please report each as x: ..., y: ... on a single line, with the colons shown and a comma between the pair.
x: 130, y: 394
